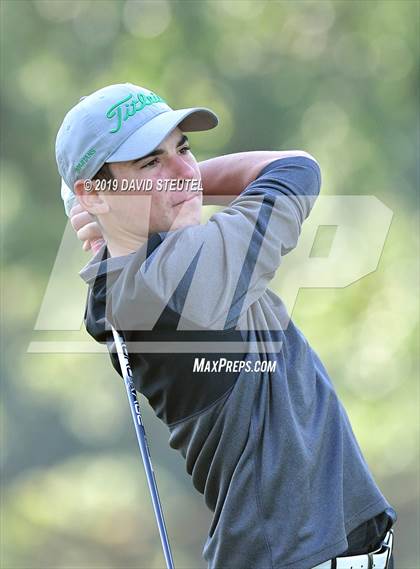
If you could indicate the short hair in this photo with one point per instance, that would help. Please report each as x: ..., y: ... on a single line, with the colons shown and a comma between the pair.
x: 104, y: 173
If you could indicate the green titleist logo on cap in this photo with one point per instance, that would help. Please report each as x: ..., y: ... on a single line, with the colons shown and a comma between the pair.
x: 133, y: 104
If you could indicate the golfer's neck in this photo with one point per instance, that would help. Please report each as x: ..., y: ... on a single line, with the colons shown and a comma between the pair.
x: 119, y: 245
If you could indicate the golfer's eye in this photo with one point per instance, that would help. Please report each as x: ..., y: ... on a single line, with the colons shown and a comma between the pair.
x: 151, y: 163
x: 185, y: 149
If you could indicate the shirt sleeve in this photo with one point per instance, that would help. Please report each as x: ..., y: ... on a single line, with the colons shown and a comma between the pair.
x: 211, y: 273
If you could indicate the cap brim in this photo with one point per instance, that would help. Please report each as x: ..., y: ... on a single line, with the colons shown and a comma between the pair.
x: 146, y: 138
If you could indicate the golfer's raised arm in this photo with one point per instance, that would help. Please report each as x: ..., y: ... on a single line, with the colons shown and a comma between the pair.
x: 227, y: 176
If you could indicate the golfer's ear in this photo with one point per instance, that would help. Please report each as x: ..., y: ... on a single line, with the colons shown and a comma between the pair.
x: 92, y: 200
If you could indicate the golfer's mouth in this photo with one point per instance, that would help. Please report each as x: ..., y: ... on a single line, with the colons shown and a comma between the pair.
x: 188, y: 199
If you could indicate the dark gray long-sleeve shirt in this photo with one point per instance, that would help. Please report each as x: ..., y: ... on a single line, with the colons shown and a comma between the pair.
x: 272, y: 451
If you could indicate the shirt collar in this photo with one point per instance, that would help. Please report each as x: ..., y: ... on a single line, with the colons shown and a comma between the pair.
x: 102, y: 263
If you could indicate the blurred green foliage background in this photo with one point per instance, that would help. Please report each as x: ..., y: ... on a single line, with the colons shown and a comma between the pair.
x: 338, y: 79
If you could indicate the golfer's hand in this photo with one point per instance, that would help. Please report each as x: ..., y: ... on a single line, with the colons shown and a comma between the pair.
x: 87, y: 229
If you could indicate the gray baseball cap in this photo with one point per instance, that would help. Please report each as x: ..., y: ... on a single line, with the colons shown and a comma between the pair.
x: 118, y: 123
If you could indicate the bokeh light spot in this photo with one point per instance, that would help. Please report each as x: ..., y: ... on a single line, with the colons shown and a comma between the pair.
x: 146, y: 19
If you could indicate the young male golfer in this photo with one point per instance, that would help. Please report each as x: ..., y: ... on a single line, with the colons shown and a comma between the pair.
x: 263, y: 433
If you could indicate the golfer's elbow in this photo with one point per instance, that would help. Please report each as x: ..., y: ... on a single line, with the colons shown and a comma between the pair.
x: 310, y: 171
x: 315, y: 174
x: 310, y: 174
x: 308, y: 181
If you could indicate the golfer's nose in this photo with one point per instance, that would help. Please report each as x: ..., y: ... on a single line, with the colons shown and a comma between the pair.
x: 181, y: 169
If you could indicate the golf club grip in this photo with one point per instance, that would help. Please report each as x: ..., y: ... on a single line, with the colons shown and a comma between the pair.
x: 144, y: 448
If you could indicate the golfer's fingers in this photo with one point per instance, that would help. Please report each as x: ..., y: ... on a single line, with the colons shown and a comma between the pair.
x: 86, y: 246
x: 77, y: 208
x: 89, y: 232
x: 80, y: 219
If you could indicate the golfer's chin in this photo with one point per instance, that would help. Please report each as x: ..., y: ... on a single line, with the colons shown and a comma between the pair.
x: 186, y: 214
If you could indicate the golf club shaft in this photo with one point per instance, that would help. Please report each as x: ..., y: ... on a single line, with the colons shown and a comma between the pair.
x: 142, y: 440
